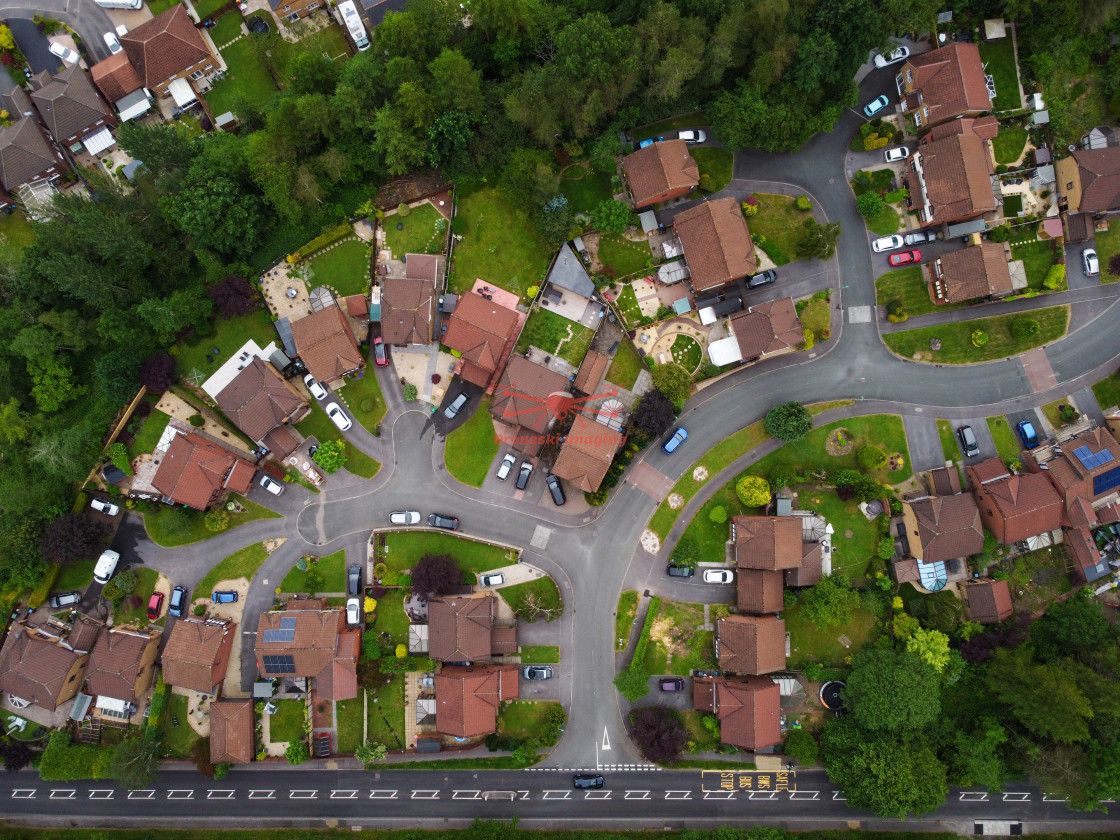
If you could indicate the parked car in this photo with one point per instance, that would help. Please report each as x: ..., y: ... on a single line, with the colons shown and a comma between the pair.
x: 67, y: 599
x: 553, y: 484
x: 762, y: 278
x: 439, y: 520
x: 271, y: 485
x: 537, y: 672
x: 155, y: 606
x: 353, y: 612
x: 887, y: 243
x: 690, y: 135
x: 919, y: 237
x: 107, y: 508
x: 524, y: 474
x: 587, y: 781
x: 380, y: 355
x: 679, y: 437
x: 506, y: 466
x: 671, y: 684
x: 65, y: 53
x: 968, y: 441
x: 112, y: 43
x: 679, y: 571
x: 404, y: 517
x: 178, y: 602
x: 650, y: 142
x: 491, y: 580
x: 873, y: 108
x: 106, y: 565
x: 224, y: 596
x: 354, y: 580
x: 718, y: 576
x: 456, y: 406
x: 1027, y: 433
x: 895, y: 56
x: 338, y: 417
x: 317, y: 390
x: 1089, y: 261
x: 905, y: 258
x: 897, y: 154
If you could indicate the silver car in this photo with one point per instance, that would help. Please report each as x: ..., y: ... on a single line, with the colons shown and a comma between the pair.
x: 505, y: 467
x: 1089, y: 261
x: 404, y: 517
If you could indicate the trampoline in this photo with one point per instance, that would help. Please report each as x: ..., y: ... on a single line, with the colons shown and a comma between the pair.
x: 830, y: 695
x: 259, y: 26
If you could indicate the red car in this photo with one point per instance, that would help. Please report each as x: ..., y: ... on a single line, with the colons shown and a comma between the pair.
x: 379, y: 354
x: 905, y: 257
x: 155, y: 606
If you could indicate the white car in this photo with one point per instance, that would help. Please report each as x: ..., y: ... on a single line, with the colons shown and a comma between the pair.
x: 65, y: 53
x: 112, y: 43
x: 404, y: 517
x: 901, y: 54
x: 272, y: 485
x: 338, y: 417
x: 896, y: 155
x: 1089, y: 262
x: 887, y: 243
x: 107, y: 508
x: 317, y: 390
x: 692, y: 136
x: 718, y: 576
x: 106, y: 565
x: 491, y: 580
x: 353, y: 612
x: 505, y: 467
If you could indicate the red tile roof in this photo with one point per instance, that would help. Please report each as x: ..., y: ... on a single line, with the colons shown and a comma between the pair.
x: 69, y: 103
x: 165, y: 46
x: 197, y: 653
x: 748, y: 708
x: 406, y: 310
x: 592, y: 371
x: 326, y: 344
x: 522, y: 395
x: 812, y: 566
x: 956, y: 173
x: 115, y: 77
x: 769, y: 327
x: 759, y: 591
x: 194, y: 471
x: 468, y: 698
x: 748, y: 644
x: 116, y: 667
x: 1087, y: 560
x: 716, y: 243
x: 970, y: 273
x: 459, y: 628
x: 989, y: 601
x: 586, y: 454
x: 951, y: 80
x: 1016, y: 507
x: 35, y: 668
x: 481, y: 330
x: 948, y: 527
x: 766, y: 542
x: 321, y: 647
x: 1099, y: 173
x: 986, y: 128
x: 659, y: 169
x: 232, y: 736
x: 428, y: 267
x: 258, y: 399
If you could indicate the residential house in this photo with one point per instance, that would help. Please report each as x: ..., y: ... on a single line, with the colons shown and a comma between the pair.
x: 988, y: 601
x: 197, y: 473
x: 462, y: 629
x: 197, y: 653
x: 951, y: 180
x: 232, y: 732
x: 293, y: 10
x: 591, y: 372
x: 528, y: 398
x: 767, y: 329
x: 942, y: 528
x: 326, y: 345
x: 484, y: 332
x: 986, y: 128
x: 980, y: 271
x: 660, y: 172
x: 468, y: 698
x: 749, y: 709
x: 72, y: 110
x: 1014, y: 507
x: 263, y: 404
x: 408, y: 303
x: 1086, y: 473
x: 27, y: 155
x: 40, y: 667
x: 120, y: 84
x: 121, y: 669
x: 769, y: 552
x: 1089, y: 185
x: 944, y: 84
x: 717, y: 245
x: 587, y: 453
x: 751, y: 645
x: 568, y: 290
x: 307, y: 640
x: 1088, y: 565
x: 168, y: 50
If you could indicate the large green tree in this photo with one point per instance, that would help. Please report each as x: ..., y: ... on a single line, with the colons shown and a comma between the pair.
x: 892, y: 691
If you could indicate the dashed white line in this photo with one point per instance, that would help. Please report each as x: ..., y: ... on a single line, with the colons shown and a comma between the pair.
x: 763, y: 794
x: 837, y: 797
x: 344, y: 794
x: 597, y: 794
x: 262, y: 794
x: 62, y: 793
x: 425, y: 794
x: 524, y: 794
x: 1016, y: 797
x: 466, y: 794
x: 1048, y: 798
x: 180, y: 794
x: 24, y: 793
x: 973, y: 796
x: 557, y: 794
x: 219, y: 794
x: 636, y: 794
x: 382, y: 794
x: 101, y: 794
x: 804, y: 794
x: 141, y: 794
x: 678, y: 794
x: 303, y: 793
x: 719, y: 794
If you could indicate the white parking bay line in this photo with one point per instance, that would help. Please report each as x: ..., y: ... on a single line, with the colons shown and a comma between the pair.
x: 262, y: 794
x: 719, y: 794
x: 425, y: 794
x: 678, y: 794
x: 220, y: 794
x: 1048, y: 798
x: 62, y: 793
x: 101, y: 794
x: 24, y: 793
x: 180, y: 794
x: 636, y: 794
x: 763, y: 794
x: 466, y: 794
x: 804, y: 794
x: 141, y: 794
x: 557, y: 794
x: 973, y: 796
x: 1016, y: 797
x: 597, y: 794
x: 837, y: 797
x: 344, y: 794
x: 303, y: 794
x: 382, y: 794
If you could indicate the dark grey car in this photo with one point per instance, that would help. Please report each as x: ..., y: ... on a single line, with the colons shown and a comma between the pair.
x: 524, y: 474
x: 555, y: 489
x: 763, y: 278
x: 354, y: 580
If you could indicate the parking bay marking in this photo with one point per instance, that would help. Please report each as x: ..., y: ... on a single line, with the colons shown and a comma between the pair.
x: 24, y: 793
x: 303, y: 793
x: 382, y: 794
x: 678, y: 794
x: 637, y: 794
x: 597, y: 794
x: 557, y: 794
x: 466, y: 794
x: 64, y: 793
x: 719, y: 794
x: 1016, y: 797
x: 804, y: 794
x: 425, y: 794
x: 219, y: 794
x: 141, y: 794
x: 344, y: 794
x: 262, y: 794
x: 178, y: 794
x: 99, y: 793
x: 973, y: 796
x: 763, y: 794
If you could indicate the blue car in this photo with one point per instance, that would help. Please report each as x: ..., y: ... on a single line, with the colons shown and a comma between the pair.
x: 679, y: 437
x: 874, y: 107
x: 650, y: 142
x: 224, y: 597
x: 1028, y: 434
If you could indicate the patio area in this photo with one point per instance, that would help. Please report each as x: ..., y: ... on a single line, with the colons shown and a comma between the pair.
x: 285, y: 291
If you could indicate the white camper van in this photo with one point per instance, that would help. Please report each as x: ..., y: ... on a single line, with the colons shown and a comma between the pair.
x: 354, y: 25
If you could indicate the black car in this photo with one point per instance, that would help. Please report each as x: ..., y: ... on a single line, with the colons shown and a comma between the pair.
x: 438, y: 520
x: 968, y: 441
x: 178, y: 602
x: 763, y: 278
x: 555, y: 489
x: 587, y: 781
x: 354, y: 580
x: 679, y: 571
x: 523, y: 475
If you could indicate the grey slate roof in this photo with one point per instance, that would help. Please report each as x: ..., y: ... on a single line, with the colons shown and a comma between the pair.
x: 68, y: 102
x: 568, y: 273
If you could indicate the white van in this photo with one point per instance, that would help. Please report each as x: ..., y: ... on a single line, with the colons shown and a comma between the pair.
x: 120, y: 4
x: 354, y: 24
x: 106, y: 565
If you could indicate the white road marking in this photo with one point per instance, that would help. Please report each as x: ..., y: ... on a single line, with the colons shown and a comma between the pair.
x: 24, y: 793
x: 540, y: 537
x: 1047, y: 798
x: 644, y: 794
x: 597, y: 794
x: 262, y: 794
x: 466, y: 794
x: 804, y: 794
x: 973, y: 796
x: 557, y: 794
x: 763, y: 794
x: 344, y: 794
x: 101, y: 794
x: 219, y: 794
x: 524, y: 794
x: 678, y: 794
x: 178, y: 794
x: 719, y: 794
x: 382, y: 794
x: 139, y: 794
x: 303, y: 793
x: 836, y: 797
x: 859, y: 314
x: 606, y: 740
x: 63, y: 793
x: 1016, y: 797
x: 425, y: 794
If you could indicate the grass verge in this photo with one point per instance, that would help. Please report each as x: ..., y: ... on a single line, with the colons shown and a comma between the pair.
x: 948, y: 440
x: 406, y: 547
x: 1107, y: 391
x: 471, y: 448
x: 530, y: 598
x: 1007, y: 445
x: 624, y: 618
x: 240, y: 564
x: 331, y: 568
x: 779, y: 220
x: 540, y: 654
x: 956, y: 344
x: 174, y: 526
x: 716, y: 163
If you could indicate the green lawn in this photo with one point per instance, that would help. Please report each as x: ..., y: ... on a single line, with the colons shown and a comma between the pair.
x: 206, y: 8
x: 555, y: 335
x: 1037, y: 258
x: 332, y: 569
x: 585, y: 188
x: 159, y: 6
x: 149, y: 434
x: 328, y: 43
x: 1009, y: 144
x: 628, y: 305
x: 624, y: 256
x: 663, y: 128
x: 909, y: 286
x: 76, y: 575
x: 540, y: 654
x: 885, y: 223
x: 542, y: 590
x: 1107, y: 391
x: 28, y: 730
x: 172, y: 526
x: 135, y: 607
x: 809, y: 644
x: 363, y: 397
x: 471, y: 448
x: 227, y: 28
x: 687, y: 353
x: 15, y: 233
x: 716, y: 163
x: 406, y: 547
x: 817, y: 317
x: 873, y: 180
x: 1012, y: 206
x: 625, y: 366
x: 423, y: 231
x: 345, y: 268
x: 956, y: 343
x: 524, y: 719
x: 676, y: 645
x: 948, y: 440
x: 386, y: 713
x: 246, y: 77
x: 229, y: 334
x: 883, y: 430
x: 319, y: 426
x: 350, y: 714
x: 1007, y: 444
x: 624, y: 618
x: 500, y: 245
x: 999, y: 56
x: 1107, y: 244
x: 287, y: 724
x: 241, y: 564
x: 779, y: 220
x: 177, y: 740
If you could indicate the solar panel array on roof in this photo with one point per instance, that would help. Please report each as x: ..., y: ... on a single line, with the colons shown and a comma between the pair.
x: 279, y: 664
x: 1106, y: 481
x: 286, y: 632
x: 1091, y: 460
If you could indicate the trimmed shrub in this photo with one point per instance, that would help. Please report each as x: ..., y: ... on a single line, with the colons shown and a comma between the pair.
x: 410, y: 393
x: 871, y: 457
x: 1024, y: 328
x: 870, y: 205
x: 753, y: 491
x: 810, y: 338
x: 803, y: 203
x: 1055, y: 277
x: 896, y: 196
x: 197, y: 420
x: 979, y: 338
x: 118, y: 455
x: 1000, y: 234
x: 323, y: 240
x: 718, y: 514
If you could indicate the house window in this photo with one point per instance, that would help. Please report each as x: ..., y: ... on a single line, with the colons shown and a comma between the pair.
x: 197, y: 75
x: 293, y: 17
x: 910, y: 77
x: 208, y: 67
x: 286, y: 7
x: 917, y: 118
x: 72, y: 677
x: 172, y: 78
x: 1069, y: 186
x: 312, y: 7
